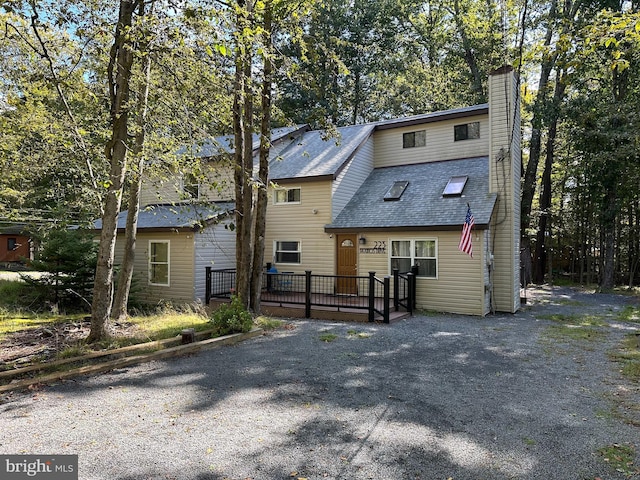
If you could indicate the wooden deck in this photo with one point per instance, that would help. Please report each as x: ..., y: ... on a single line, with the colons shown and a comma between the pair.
x: 324, y: 307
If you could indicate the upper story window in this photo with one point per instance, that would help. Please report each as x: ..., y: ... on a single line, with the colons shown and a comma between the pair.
x: 191, y: 186
x: 414, y: 139
x: 466, y: 131
x: 287, y: 195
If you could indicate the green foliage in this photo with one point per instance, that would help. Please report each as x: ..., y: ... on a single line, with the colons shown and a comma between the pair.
x: 18, y: 296
x: 231, y: 318
x: 620, y: 458
x: 69, y: 259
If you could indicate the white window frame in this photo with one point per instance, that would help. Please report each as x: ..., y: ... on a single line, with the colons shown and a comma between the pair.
x: 412, y: 253
x: 187, y: 184
x: 276, y: 243
x: 167, y: 263
x: 287, y: 190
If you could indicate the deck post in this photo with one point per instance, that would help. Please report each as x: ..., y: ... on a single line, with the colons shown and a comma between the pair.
x: 372, y: 295
x: 307, y: 294
x: 411, y: 294
x: 414, y: 288
x: 396, y: 289
x: 207, y: 293
x: 387, y: 280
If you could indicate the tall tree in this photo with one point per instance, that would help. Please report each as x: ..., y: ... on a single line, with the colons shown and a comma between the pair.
x: 116, y: 152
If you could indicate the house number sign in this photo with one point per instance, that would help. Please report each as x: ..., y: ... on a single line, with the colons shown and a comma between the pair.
x: 378, y: 247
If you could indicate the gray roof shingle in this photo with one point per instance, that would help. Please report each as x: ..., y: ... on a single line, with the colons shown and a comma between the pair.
x: 422, y: 204
x: 314, y: 155
x: 177, y: 216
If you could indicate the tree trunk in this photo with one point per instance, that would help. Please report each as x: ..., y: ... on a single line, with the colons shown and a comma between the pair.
x: 263, y: 172
x: 243, y: 154
x: 125, y: 276
x: 543, y: 242
x: 121, y: 61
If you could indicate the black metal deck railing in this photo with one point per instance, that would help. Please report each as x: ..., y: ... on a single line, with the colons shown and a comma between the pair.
x: 333, y: 291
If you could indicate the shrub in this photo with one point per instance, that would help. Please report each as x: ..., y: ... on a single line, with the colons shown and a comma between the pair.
x: 69, y: 259
x: 231, y: 318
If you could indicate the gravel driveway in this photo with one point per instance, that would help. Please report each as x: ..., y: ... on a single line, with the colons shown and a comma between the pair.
x: 429, y: 397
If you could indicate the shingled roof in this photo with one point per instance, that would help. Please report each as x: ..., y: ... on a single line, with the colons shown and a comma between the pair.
x: 314, y: 155
x: 181, y: 216
x: 422, y: 206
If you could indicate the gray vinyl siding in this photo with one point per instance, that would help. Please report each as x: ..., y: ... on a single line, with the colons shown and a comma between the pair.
x: 440, y: 144
x: 215, y: 247
x: 352, y: 177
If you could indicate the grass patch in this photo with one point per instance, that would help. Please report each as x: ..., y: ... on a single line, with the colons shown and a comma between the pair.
x: 328, y: 337
x: 575, y: 319
x: 629, y: 314
x: 628, y: 354
x: 168, y: 324
x: 268, y: 323
x: 620, y: 458
x: 573, y: 333
x: 356, y: 334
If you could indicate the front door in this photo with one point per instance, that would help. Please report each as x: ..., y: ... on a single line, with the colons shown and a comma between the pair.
x: 347, y: 264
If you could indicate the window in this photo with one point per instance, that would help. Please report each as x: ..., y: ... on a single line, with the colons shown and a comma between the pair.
x: 287, y: 195
x: 422, y: 253
x: 414, y: 139
x: 396, y: 190
x: 467, y: 131
x: 159, y: 262
x: 191, y: 187
x: 12, y: 244
x: 455, y: 186
x: 287, y: 252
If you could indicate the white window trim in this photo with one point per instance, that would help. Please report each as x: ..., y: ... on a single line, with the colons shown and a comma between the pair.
x: 168, y: 284
x: 184, y: 185
x: 275, y: 252
x: 413, y: 250
x: 286, y: 189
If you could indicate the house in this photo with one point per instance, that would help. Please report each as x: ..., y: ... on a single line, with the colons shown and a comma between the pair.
x: 15, y: 245
x: 379, y: 196
x: 184, y: 225
x: 396, y: 193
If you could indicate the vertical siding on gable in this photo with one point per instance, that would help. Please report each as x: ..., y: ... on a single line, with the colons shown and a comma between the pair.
x: 215, y: 247
x: 299, y: 222
x: 459, y: 287
x: 181, y: 265
x: 440, y: 143
x: 352, y: 177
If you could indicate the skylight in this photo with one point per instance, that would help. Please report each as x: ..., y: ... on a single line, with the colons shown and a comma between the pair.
x: 455, y: 185
x: 396, y: 190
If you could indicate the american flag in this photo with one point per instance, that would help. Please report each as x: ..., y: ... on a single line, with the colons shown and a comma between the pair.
x: 465, y: 244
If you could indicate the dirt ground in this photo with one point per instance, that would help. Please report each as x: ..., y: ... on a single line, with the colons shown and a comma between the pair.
x: 44, y: 343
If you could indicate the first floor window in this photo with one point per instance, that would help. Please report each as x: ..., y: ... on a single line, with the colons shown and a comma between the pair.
x: 159, y: 262
x: 12, y: 244
x: 421, y: 253
x: 287, y: 252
